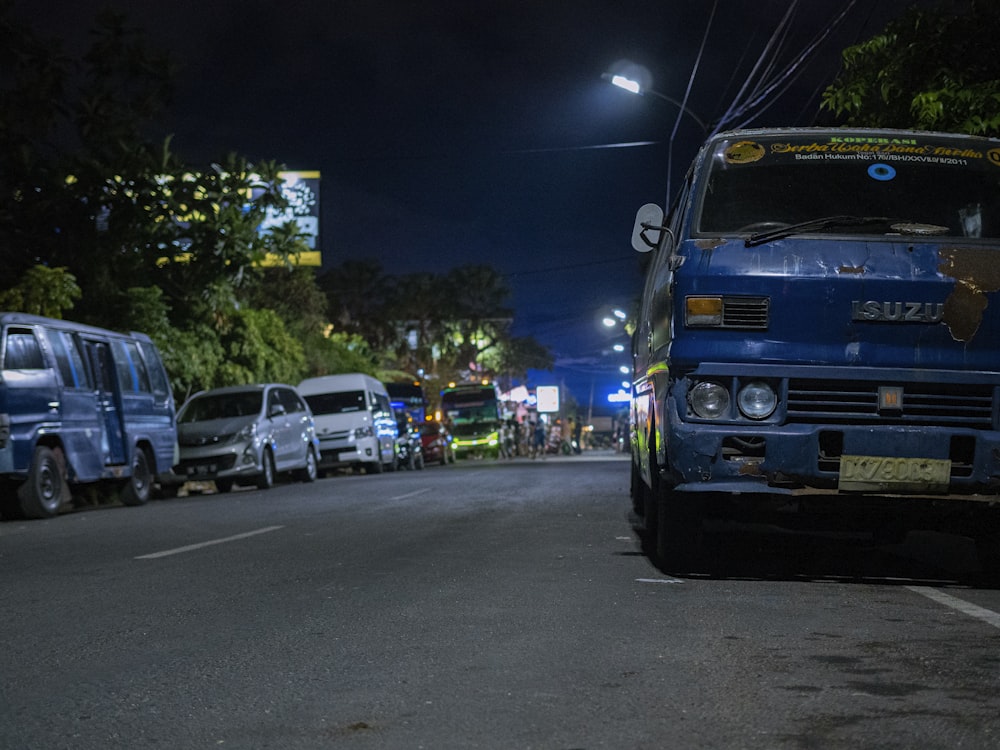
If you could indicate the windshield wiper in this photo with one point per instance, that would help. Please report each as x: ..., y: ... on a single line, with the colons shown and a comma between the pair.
x: 812, y: 225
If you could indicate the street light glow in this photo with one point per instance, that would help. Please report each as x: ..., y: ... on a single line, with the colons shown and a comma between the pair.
x: 626, y: 83
x: 609, y: 322
x: 620, y: 314
x: 619, y: 347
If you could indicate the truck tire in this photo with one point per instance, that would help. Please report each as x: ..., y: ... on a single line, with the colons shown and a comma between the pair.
x: 644, y: 506
x: 43, y: 492
x: 679, y: 533
x: 988, y: 552
x: 138, y: 488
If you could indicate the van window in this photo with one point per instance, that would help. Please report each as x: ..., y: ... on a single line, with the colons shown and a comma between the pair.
x: 336, y: 403
x: 141, y: 373
x: 71, y: 367
x: 22, y: 351
x: 132, y: 373
x: 154, y: 368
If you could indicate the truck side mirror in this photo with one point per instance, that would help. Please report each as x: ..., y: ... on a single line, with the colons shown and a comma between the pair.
x: 649, y: 218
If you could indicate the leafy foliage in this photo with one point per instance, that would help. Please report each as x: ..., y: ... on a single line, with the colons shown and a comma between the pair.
x: 42, y: 291
x: 929, y: 70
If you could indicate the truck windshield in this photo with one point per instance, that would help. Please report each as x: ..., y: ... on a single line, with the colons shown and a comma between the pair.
x: 765, y: 186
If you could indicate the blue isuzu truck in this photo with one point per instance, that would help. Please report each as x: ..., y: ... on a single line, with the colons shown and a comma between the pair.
x: 820, y: 330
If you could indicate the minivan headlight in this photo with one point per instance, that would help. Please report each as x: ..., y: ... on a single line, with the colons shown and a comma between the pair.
x: 246, y: 434
x: 363, y: 432
x: 757, y: 400
x: 709, y: 400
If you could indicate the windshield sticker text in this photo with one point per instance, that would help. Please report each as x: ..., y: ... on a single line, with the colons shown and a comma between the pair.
x: 845, y: 148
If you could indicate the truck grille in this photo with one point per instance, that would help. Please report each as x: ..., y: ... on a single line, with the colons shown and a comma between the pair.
x: 748, y: 313
x: 927, y: 404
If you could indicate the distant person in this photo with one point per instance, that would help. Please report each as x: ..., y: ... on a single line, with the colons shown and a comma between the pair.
x: 538, y: 441
x: 577, y: 432
x: 509, y: 438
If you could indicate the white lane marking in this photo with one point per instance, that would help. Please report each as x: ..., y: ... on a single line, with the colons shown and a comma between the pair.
x: 411, y: 494
x: 972, y: 610
x: 191, y: 547
x: 659, y: 580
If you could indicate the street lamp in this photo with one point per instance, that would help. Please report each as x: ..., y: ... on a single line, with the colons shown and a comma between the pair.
x: 633, y: 86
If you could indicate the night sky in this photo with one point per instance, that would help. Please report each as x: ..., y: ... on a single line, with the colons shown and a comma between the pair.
x: 450, y: 133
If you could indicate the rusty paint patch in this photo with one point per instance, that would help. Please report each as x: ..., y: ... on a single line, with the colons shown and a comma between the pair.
x: 750, y: 469
x: 851, y: 269
x: 709, y: 244
x: 976, y: 273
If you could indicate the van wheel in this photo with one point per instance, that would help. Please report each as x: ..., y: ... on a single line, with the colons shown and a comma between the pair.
x: 374, y: 468
x: 42, y: 493
x: 224, y: 485
x: 266, y: 479
x: 139, y: 486
x: 309, y: 472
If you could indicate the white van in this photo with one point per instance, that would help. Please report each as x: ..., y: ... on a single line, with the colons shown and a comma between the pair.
x: 354, y: 421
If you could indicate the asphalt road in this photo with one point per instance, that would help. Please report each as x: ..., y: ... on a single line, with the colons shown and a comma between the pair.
x: 479, y: 605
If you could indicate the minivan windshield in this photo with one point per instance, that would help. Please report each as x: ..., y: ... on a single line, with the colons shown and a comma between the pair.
x: 949, y: 184
x: 221, y: 406
x: 341, y: 402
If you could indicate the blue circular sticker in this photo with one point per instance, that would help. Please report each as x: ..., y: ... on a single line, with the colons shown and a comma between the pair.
x: 881, y: 172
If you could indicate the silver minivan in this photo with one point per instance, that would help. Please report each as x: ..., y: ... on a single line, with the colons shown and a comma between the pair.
x: 246, y: 435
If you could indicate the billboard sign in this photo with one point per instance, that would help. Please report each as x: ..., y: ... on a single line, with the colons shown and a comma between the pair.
x: 548, y: 398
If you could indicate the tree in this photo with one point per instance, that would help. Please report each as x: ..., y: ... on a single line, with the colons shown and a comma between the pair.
x: 478, y: 318
x: 42, y: 291
x: 516, y: 355
x: 357, y: 291
x: 929, y: 70
x: 153, y: 244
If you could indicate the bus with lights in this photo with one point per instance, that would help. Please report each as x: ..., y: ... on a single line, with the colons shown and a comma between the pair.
x: 409, y: 398
x: 819, y: 339
x: 473, y: 413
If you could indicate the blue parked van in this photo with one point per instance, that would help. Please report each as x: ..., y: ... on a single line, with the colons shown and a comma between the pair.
x: 79, y: 404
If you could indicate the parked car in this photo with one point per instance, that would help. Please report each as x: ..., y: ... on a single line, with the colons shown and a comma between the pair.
x: 79, y: 405
x: 436, y: 440
x: 246, y: 435
x: 409, y: 448
x: 354, y: 421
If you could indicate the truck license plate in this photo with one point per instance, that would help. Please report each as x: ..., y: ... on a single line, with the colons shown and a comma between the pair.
x: 894, y: 474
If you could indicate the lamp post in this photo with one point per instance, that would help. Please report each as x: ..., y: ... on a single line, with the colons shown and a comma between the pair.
x: 634, y: 87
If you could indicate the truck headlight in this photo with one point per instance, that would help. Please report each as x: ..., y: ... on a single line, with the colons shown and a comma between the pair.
x: 757, y: 400
x: 709, y: 400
